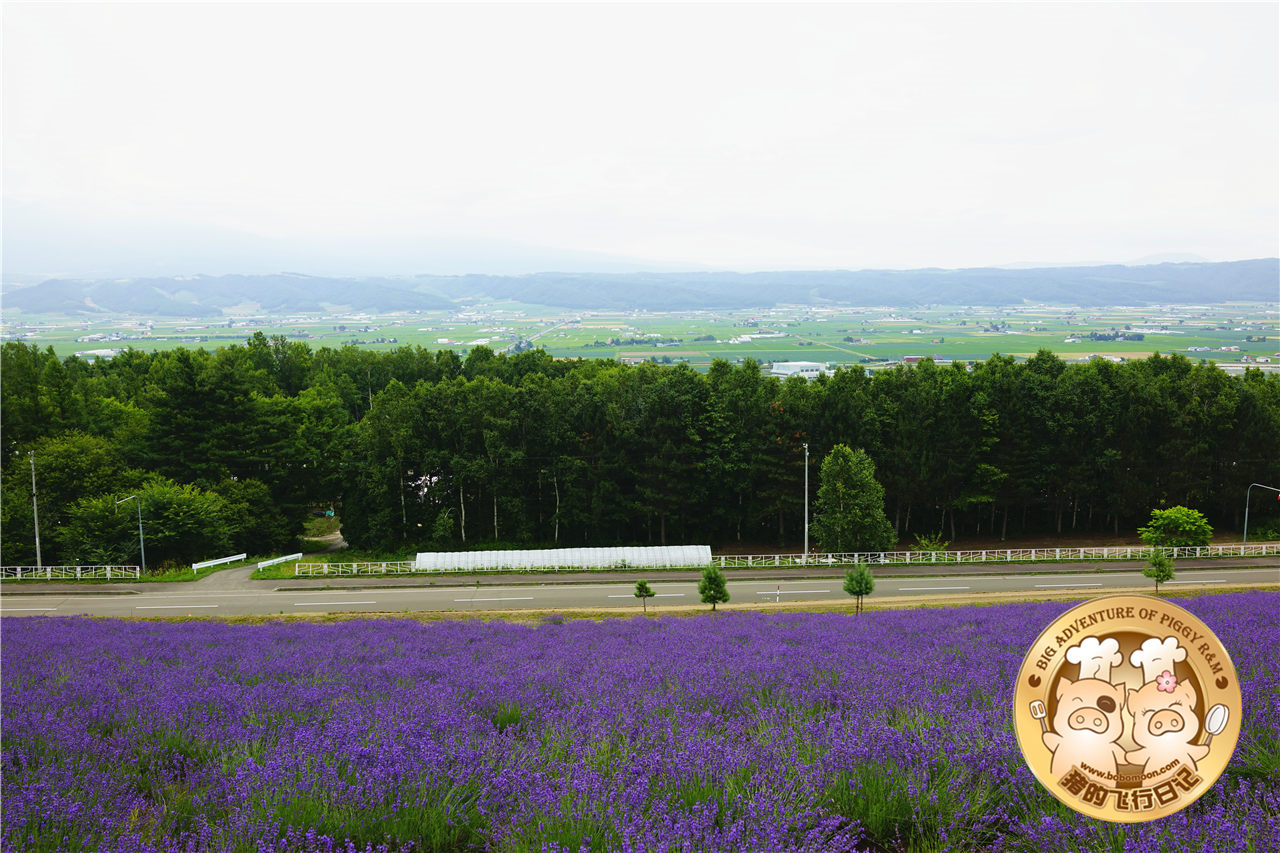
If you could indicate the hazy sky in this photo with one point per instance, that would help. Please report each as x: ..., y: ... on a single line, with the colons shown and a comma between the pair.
x: 718, y: 135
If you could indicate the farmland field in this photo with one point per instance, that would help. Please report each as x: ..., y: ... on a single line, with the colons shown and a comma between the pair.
x: 832, y: 335
x: 885, y: 731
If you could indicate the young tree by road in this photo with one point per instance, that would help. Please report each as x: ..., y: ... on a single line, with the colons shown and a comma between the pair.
x: 849, y: 515
x: 1159, y: 568
x: 644, y: 592
x: 859, y: 582
x: 713, y: 587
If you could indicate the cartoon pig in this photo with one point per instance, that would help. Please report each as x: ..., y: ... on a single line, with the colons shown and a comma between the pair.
x: 1086, y: 727
x: 1164, y: 724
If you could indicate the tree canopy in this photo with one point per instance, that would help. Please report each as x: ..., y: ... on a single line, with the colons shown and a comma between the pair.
x: 1176, y: 527
x: 420, y: 449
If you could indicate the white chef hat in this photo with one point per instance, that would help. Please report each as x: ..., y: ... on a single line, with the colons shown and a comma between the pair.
x: 1157, y: 656
x: 1096, y: 657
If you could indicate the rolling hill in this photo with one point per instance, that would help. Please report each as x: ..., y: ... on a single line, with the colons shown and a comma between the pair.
x: 282, y: 293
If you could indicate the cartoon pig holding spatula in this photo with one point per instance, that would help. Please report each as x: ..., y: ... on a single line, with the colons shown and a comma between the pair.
x: 1087, y: 723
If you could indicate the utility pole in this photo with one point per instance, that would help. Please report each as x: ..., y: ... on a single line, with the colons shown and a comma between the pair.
x: 806, y: 502
x: 35, y: 513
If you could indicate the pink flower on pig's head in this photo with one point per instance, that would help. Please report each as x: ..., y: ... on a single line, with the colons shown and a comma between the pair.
x: 1166, y: 681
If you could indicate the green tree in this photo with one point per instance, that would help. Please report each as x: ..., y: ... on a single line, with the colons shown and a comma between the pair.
x: 781, y: 468
x: 644, y: 593
x: 181, y: 524
x: 849, y: 515
x: 713, y: 587
x: 24, y: 409
x: 1176, y: 527
x: 666, y: 442
x: 1159, y: 568
x: 255, y: 522
x: 442, y: 527
x: 735, y: 446
x: 859, y: 582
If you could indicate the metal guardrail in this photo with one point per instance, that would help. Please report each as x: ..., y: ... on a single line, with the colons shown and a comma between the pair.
x: 217, y: 562
x: 724, y: 561
x: 286, y: 558
x: 50, y: 573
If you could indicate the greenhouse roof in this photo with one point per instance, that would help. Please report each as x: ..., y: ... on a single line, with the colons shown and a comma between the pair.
x: 567, y: 558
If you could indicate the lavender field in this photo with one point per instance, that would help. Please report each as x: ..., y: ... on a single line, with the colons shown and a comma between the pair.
x: 734, y: 732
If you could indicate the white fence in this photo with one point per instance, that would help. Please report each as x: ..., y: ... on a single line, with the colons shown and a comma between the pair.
x: 996, y: 555
x: 50, y: 573
x: 761, y: 561
x: 403, y: 567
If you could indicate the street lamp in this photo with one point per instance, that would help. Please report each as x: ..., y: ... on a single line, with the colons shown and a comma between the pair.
x: 806, y: 502
x: 1247, y: 494
x: 142, y: 546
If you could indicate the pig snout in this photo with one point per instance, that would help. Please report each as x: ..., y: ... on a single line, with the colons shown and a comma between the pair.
x: 1088, y: 719
x: 1164, y: 722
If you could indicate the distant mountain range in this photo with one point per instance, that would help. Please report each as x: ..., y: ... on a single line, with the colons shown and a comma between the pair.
x: 216, y: 296
x: 289, y: 293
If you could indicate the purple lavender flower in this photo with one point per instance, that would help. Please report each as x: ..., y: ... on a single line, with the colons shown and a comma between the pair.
x: 740, y: 733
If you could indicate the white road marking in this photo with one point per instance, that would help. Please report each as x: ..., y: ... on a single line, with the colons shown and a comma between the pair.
x: 787, y: 591
x: 5, y: 609
x: 924, y: 588
x: 1043, y: 585
x: 172, y: 606
x: 324, y: 603
x: 1211, y: 580
x: 505, y: 598
x: 670, y: 595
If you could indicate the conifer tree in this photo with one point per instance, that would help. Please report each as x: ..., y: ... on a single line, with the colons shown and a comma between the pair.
x: 644, y: 593
x: 713, y: 587
x: 849, y: 515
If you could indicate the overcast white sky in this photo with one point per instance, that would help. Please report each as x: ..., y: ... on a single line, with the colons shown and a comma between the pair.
x: 721, y: 135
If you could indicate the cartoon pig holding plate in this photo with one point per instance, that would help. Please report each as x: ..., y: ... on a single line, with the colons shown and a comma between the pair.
x: 1163, y: 709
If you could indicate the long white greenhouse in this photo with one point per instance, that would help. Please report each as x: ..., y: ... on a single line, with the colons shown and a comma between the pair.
x: 675, y: 556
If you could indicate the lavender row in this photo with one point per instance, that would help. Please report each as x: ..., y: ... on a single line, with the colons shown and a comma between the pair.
x: 888, y: 730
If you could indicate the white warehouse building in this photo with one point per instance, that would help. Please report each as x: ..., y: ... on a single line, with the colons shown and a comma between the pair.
x: 807, y: 369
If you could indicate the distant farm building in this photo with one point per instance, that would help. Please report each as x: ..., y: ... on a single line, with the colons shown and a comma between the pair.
x: 807, y: 369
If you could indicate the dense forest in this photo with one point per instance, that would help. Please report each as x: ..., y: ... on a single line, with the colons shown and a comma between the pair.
x: 230, y: 450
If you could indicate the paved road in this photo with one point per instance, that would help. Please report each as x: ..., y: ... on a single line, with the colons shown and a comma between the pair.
x: 234, y: 595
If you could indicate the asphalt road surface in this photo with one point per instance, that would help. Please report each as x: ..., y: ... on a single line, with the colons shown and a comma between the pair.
x: 235, y: 595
